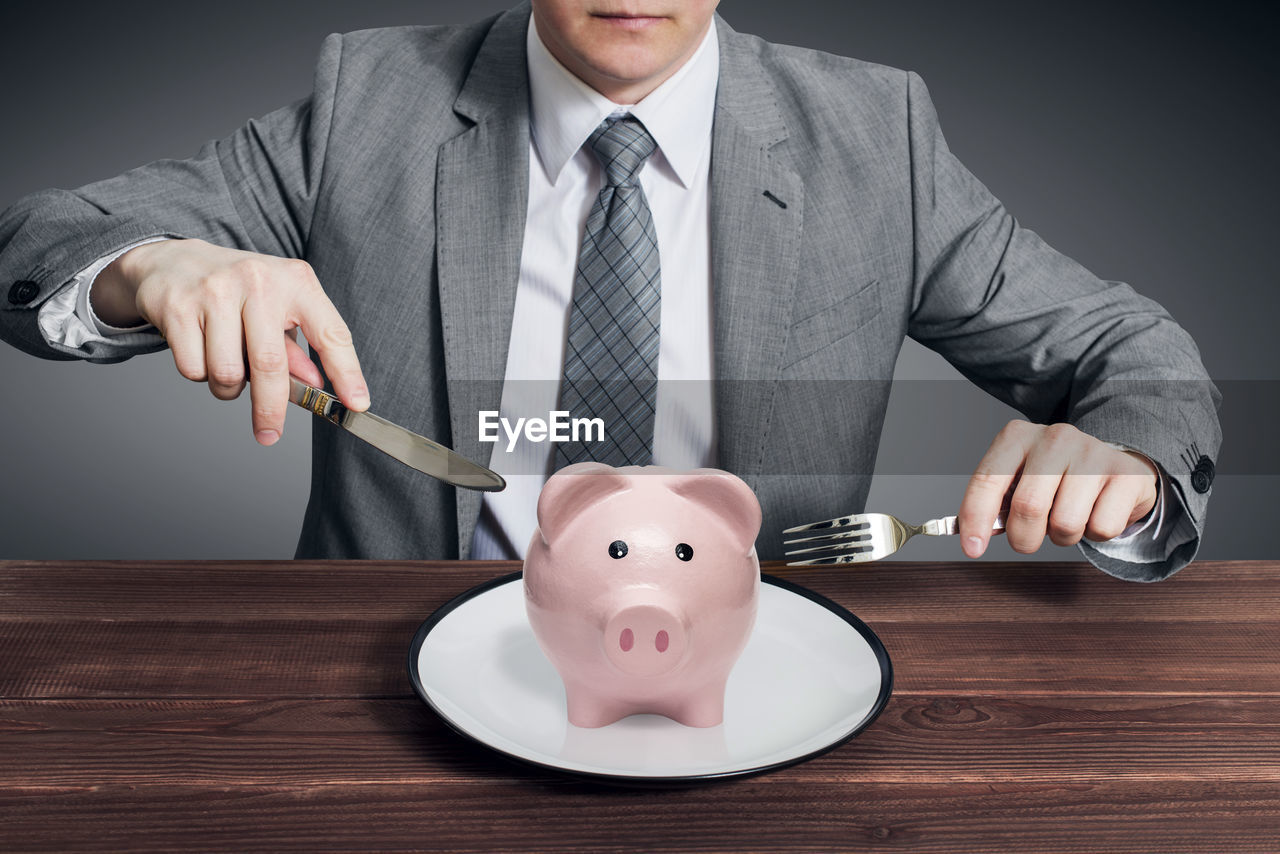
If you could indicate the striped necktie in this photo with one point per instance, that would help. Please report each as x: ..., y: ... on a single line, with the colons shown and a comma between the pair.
x: 611, y: 362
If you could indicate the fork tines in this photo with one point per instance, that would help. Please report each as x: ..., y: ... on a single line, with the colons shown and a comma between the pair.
x: 839, y: 522
x: 844, y: 540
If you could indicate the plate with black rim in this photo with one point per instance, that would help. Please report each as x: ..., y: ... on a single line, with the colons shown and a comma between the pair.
x: 811, y: 677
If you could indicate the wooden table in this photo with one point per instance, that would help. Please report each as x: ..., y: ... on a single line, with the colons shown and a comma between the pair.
x: 266, y: 706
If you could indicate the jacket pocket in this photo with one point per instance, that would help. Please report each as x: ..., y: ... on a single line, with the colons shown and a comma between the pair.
x: 824, y: 326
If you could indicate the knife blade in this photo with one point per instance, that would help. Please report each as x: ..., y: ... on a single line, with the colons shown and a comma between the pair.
x: 417, y: 452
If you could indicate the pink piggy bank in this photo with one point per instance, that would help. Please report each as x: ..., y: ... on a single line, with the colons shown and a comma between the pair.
x: 641, y: 586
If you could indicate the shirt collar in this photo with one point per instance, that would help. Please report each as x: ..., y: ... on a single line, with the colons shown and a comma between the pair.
x: 679, y: 113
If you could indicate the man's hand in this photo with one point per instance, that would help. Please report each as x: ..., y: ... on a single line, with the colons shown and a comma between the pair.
x: 222, y: 308
x: 1063, y: 482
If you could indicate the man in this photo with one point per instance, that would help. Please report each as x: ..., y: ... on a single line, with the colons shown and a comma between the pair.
x: 441, y: 185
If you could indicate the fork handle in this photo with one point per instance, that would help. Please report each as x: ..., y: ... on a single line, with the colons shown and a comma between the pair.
x: 946, y: 526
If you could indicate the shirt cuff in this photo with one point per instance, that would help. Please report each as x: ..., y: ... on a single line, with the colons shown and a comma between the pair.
x: 67, y: 320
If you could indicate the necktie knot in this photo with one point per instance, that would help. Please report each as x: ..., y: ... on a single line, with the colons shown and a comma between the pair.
x: 622, y: 146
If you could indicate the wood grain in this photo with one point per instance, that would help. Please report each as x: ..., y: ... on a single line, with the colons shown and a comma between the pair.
x: 231, y: 630
x: 239, y: 591
x: 364, y: 658
x: 265, y: 706
x: 749, y: 815
x: 917, y: 737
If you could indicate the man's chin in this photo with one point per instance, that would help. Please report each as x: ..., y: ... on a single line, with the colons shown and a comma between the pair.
x: 626, y: 67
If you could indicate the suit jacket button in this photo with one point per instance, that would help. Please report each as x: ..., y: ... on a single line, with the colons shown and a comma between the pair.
x: 23, y: 292
x: 1202, y: 475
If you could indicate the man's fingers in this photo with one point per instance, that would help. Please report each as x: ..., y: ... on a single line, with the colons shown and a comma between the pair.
x: 300, y: 364
x: 1029, y: 511
x: 328, y: 335
x: 186, y: 344
x: 986, y: 491
x: 983, y: 499
x: 1035, y: 496
x: 1111, y: 511
x: 224, y: 354
x: 1073, y: 507
x: 224, y: 313
x: 268, y: 369
x: 1146, y: 483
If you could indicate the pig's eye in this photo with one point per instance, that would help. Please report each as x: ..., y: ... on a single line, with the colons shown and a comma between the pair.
x: 684, y: 551
x: 617, y: 549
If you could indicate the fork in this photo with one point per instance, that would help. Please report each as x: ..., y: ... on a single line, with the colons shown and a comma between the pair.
x: 865, y: 537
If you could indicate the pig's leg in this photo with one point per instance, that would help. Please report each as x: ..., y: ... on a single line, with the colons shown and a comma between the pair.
x: 704, y: 707
x: 589, y: 708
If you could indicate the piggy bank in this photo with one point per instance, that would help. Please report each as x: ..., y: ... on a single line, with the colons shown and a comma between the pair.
x: 641, y: 586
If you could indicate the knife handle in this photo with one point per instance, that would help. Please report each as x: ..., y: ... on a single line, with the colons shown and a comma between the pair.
x: 316, y: 401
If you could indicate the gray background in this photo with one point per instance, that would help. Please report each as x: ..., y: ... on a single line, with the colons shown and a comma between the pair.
x: 1139, y: 142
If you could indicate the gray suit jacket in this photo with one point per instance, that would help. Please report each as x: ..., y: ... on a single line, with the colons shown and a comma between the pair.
x: 403, y: 181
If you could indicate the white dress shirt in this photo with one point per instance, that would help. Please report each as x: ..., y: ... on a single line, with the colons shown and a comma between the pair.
x: 564, y: 180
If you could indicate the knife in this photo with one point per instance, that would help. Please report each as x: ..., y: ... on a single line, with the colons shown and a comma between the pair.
x: 415, y: 451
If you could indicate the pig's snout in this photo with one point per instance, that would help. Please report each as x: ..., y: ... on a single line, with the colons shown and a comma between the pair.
x: 645, y: 640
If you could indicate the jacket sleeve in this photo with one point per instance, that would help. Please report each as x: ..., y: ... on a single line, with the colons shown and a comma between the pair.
x: 254, y: 190
x: 1041, y: 333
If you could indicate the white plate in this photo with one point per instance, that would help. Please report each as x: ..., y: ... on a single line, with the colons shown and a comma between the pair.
x: 812, y: 676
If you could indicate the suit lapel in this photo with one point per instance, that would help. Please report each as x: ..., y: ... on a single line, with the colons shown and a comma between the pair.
x: 754, y: 252
x: 482, y: 185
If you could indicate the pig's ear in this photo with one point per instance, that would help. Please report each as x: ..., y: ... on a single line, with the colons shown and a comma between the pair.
x: 572, y: 490
x: 725, y: 495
